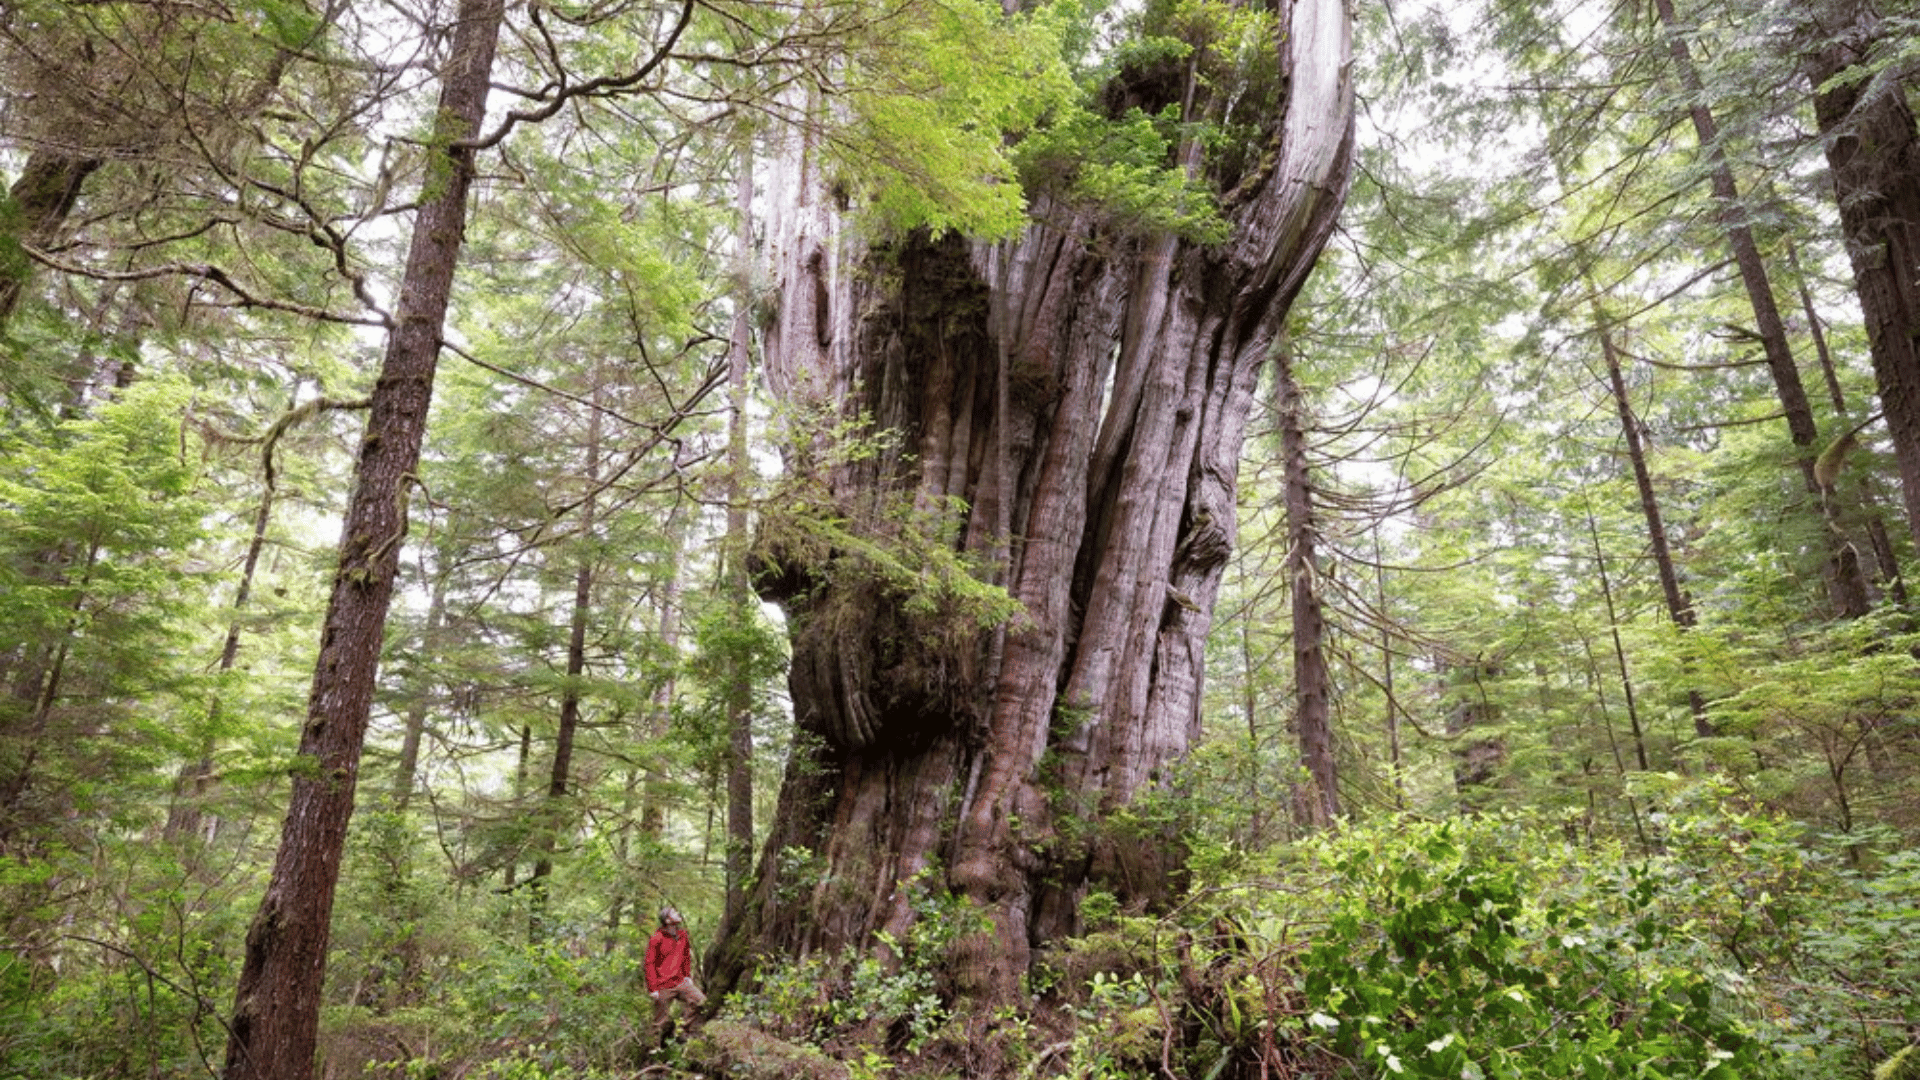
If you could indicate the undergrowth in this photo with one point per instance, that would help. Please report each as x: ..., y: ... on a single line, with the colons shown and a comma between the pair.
x: 1726, y: 945
x: 1493, y: 948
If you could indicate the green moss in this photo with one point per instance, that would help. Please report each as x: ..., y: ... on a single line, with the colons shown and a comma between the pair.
x: 1904, y: 1065
x: 744, y: 1051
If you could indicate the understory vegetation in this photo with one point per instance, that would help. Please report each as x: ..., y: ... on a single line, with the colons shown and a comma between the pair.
x: 1734, y: 945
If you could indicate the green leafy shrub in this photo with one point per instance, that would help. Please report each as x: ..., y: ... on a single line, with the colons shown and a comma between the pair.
x: 1849, y: 995
x: 548, y: 995
x: 858, y: 1003
x: 1473, y: 949
x: 133, y: 984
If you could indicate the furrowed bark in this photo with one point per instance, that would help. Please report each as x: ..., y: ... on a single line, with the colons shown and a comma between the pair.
x: 1002, y: 769
x: 1873, y: 152
x: 276, y: 1015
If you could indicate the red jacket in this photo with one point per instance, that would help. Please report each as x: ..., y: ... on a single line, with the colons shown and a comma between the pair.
x: 669, y: 960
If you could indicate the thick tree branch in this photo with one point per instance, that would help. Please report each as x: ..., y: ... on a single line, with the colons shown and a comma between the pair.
x: 606, y: 85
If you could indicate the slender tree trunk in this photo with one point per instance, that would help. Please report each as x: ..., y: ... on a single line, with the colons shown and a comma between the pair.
x: 1386, y: 676
x: 1679, y: 604
x: 659, y: 716
x: 1873, y: 152
x: 1319, y: 805
x: 186, y: 814
x: 1613, y: 741
x: 555, y: 813
x: 930, y: 754
x: 1845, y: 580
x: 29, y: 734
x: 1746, y: 251
x: 406, y: 769
x: 1250, y: 714
x: 31, y: 669
x: 739, y: 586
x: 274, y: 1031
x: 522, y: 779
x: 1886, y: 563
x: 1619, y: 646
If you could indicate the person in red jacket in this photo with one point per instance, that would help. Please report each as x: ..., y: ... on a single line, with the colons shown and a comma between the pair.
x: 670, y: 972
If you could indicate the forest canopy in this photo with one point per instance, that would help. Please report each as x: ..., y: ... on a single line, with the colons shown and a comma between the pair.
x: 1184, y: 539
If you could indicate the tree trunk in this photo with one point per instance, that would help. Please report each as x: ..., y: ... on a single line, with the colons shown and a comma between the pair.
x: 406, y: 768
x: 276, y: 1012
x: 931, y: 752
x: 186, y: 812
x: 522, y: 770
x: 1479, y: 751
x: 1597, y: 684
x: 1619, y: 647
x: 38, y: 203
x: 555, y: 813
x: 1873, y: 151
x: 738, y: 585
x: 1845, y: 580
x: 30, y: 671
x: 1319, y: 805
x: 36, y: 691
x: 1392, y: 698
x: 1886, y: 563
x: 1679, y: 604
x: 657, y: 719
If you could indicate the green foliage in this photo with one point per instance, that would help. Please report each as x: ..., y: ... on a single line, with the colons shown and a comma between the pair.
x: 132, y: 982
x: 892, y: 1000
x: 548, y: 1004
x: 287, y: 25
x: 961, y: 115
x: 936, y: 93
x: 1124, y: 168
x: 540, y: 1062
x: 727, y: 1047
x: 729, y: 642
x: 98, y: 530
x: 1853, y: 930
x: 1904, y: 1065
x: 108, y: 480
x: 903, y: 549
x: 1477, y: 949
x: 1121, y: 1024
x: 1122, y: 148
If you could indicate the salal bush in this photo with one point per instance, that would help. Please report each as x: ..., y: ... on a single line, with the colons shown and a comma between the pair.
x: 1471, y: 949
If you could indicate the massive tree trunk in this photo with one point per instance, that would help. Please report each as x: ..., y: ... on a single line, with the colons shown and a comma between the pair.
x: 1080, y: 395
x: 276, y: 1014
x: 1873, y: 149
